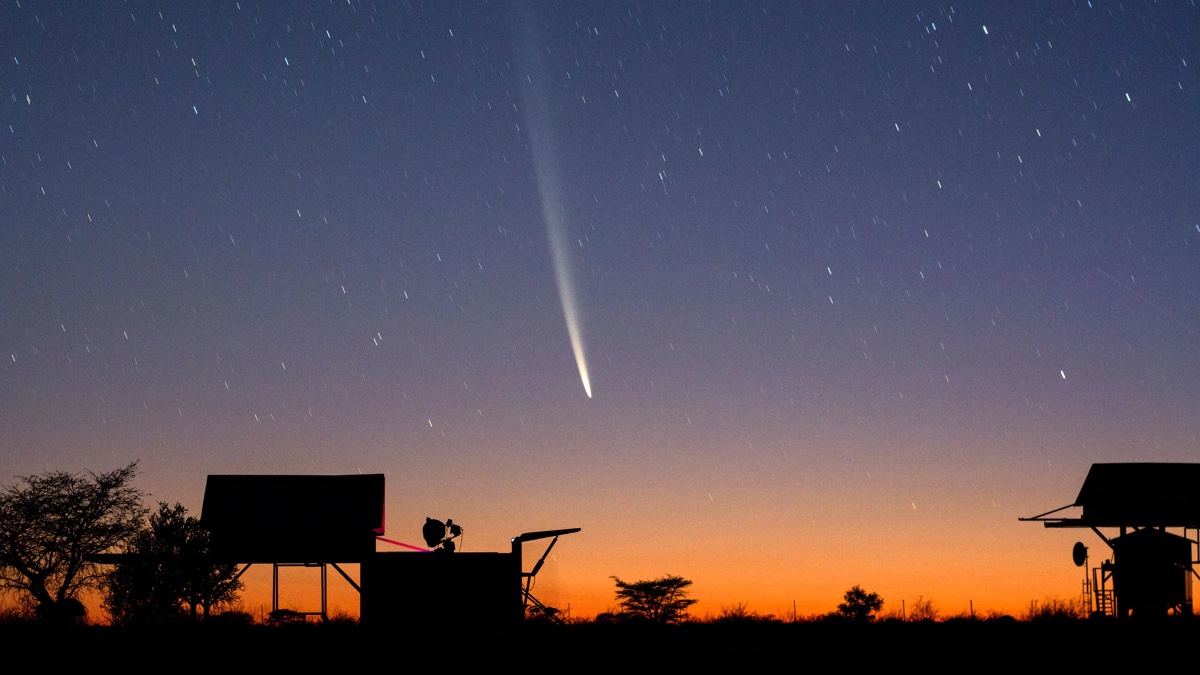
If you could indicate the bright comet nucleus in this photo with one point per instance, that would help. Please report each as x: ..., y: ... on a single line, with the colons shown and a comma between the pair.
x: 541, y: 140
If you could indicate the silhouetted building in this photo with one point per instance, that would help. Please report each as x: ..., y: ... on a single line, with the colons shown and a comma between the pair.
x: 453, y: 589
x: 295, y: 521
x: 427, y: 589
x: 1150, y: 573
x: 320, y: 521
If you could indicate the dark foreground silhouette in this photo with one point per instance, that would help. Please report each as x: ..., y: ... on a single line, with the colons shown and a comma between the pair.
x: 987, y: 646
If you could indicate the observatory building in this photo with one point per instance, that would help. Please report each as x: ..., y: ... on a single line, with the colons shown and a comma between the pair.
x: 1150, y: 569
x: 327, y: 521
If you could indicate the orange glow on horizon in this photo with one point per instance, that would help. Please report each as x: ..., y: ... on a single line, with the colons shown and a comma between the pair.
x: 745, y: 536
x: 577, y: 578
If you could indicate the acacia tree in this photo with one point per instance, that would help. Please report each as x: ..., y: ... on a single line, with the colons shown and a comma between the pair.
x: 52, y: 523
x: 662, y: 600
x: 859, y: 605
x: 167, y: 572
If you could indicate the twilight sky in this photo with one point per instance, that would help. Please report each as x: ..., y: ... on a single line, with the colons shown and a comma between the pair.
x: 857, y: 283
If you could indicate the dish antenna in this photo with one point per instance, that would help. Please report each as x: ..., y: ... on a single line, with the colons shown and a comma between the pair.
x: 1079, y: 554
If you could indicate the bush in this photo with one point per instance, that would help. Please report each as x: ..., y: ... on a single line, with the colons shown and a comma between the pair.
x: 895, y: 614
x: 232, y: 617
x: 16, y: 614
x: 1053, y: 608
x: 168, y: 575
x: 741, y: 614
x: 65, y: 612
x: 923, y: 610
x: 342, y: 617
x: 859, y: 605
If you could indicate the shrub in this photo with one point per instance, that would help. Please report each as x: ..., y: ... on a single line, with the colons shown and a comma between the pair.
x: 859, y: 605
x: 1053, y: 608
x: 923, y: 610
x: 741, y: 614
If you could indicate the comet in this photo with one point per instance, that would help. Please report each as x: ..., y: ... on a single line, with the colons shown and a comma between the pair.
x: 539, y: 126
x: 560, y: 252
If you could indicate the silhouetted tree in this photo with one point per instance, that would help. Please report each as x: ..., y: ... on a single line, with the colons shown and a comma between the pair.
x: 923, y: 609
x: 169, y: 574
x: 859, y: 605
x: 51, y: 523
x: 662, y: 600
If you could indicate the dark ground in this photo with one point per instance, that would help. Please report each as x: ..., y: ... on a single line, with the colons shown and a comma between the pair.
x: 988, y: 646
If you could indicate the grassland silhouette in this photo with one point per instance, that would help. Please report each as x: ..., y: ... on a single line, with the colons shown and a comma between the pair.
x: 167, y: 589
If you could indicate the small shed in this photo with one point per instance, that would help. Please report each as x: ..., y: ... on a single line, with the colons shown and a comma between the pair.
x: 1153, y: 571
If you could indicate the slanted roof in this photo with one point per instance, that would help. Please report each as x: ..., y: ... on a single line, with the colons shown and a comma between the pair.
x: 294, y: 518
x: 1141, y: 495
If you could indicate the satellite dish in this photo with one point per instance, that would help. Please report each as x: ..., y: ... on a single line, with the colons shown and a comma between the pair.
x: 1079, y: 554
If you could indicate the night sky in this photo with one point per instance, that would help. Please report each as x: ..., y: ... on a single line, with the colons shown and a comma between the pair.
x: 856, y: 283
